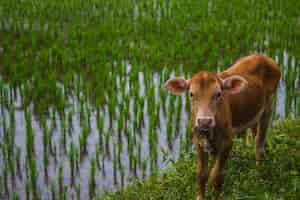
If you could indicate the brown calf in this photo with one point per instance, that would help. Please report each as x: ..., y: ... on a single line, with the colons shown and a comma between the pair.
x: 225, y: 104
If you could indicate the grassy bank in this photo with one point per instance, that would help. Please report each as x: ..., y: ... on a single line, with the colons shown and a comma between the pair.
x: 278, y: 178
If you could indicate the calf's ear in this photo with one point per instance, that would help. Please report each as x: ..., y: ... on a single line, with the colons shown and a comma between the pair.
x: 234, y: 84
x: 177, y: 85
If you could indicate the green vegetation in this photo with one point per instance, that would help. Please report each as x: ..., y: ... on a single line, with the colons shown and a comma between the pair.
x: 82, y: 107
x: 277, y: 178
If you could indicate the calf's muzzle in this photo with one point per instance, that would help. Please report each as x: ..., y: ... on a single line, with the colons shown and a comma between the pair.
x: 205, y: 123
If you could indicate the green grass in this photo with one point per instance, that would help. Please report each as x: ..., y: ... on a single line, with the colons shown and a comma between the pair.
x: 278, y: 178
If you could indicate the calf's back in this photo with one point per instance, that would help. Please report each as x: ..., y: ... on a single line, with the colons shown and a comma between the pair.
x: 262, y: 75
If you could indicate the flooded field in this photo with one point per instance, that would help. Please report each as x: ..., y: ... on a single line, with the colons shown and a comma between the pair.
x: 83, y: 108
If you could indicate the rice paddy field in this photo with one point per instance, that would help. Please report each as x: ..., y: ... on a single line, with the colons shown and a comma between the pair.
x: 82, y: 103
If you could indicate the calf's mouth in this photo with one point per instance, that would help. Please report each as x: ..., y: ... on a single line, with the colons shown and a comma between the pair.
x: 205, y: 138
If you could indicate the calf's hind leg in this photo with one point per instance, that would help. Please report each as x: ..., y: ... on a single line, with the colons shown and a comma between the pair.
x: 259, y: 132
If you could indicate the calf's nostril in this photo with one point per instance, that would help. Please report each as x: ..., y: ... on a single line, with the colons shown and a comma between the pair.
x: 199, y: 121
x: 209, y: 121
x: 205, y: 122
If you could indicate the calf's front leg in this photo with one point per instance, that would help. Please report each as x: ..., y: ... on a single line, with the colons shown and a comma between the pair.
x: 202, y: 171
x: 218, y: 171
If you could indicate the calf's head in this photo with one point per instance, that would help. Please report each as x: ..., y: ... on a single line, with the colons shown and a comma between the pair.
x: 207, y: 93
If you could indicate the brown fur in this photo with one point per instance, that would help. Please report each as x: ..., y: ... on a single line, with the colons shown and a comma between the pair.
x: 233, y: 113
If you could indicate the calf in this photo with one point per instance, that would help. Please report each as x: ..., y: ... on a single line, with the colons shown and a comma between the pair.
x: 225, y: 104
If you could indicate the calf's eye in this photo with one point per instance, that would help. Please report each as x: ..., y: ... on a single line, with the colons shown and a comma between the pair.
x: 191, y: 94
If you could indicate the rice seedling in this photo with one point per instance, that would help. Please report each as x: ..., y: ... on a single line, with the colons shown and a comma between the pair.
x: 92, y: 181
x: 5, y: 181
x: 16, y: 196
x: 78, y: 191
x: 27, y: 188
x: 83, y: 140
x: 63, y: 134
x: 115, y: 164
x: 60, y: 177
x: 33, y: 175
x: 72, y: 159
x: 53, y: 191
x: 18, y: 162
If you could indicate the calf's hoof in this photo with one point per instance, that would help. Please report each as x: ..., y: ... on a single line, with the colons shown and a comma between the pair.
x: 218, y: 197
x: 199, y: 198
x: 259, y: 163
